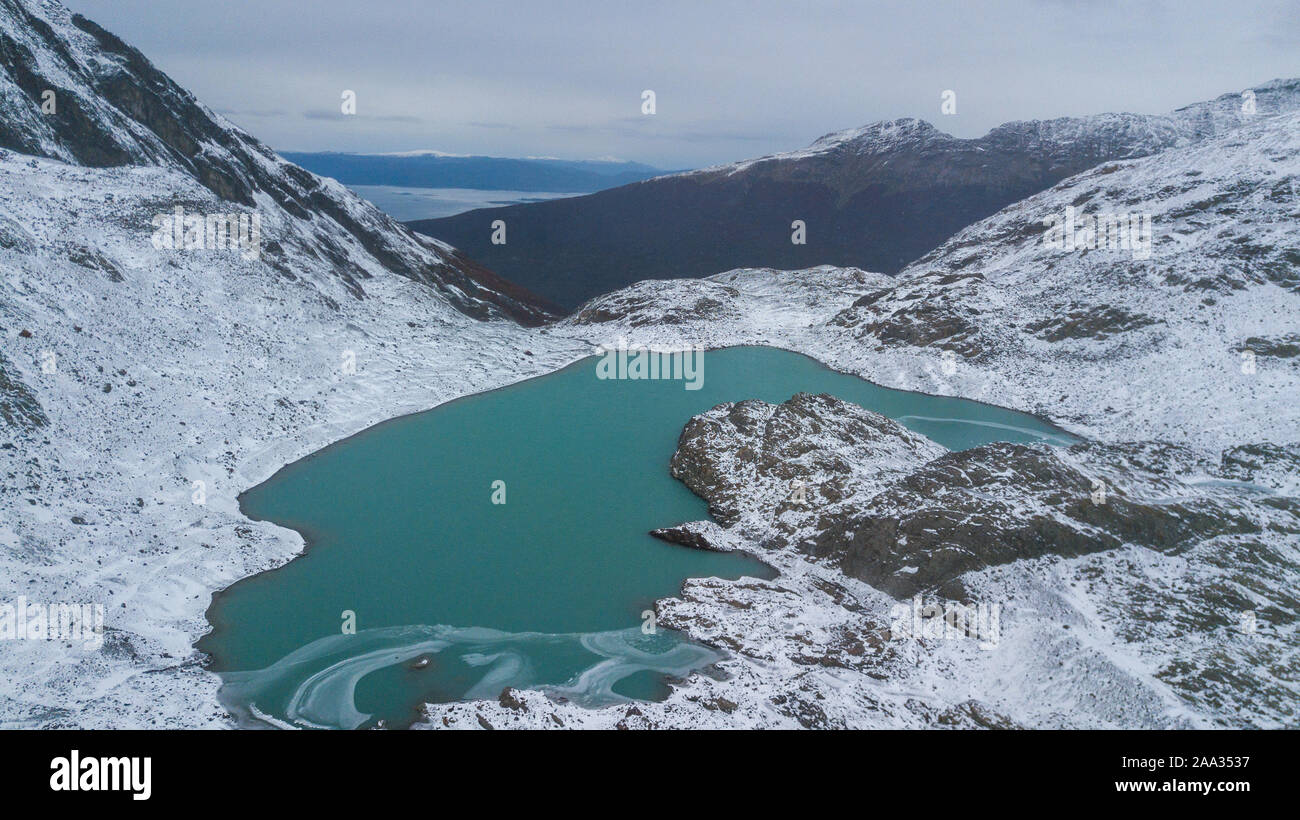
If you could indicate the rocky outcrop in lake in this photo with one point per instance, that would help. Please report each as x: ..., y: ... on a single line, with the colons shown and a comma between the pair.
x: 885, y: 505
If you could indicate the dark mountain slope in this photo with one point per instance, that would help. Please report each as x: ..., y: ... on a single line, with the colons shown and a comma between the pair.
x: 876, y: 198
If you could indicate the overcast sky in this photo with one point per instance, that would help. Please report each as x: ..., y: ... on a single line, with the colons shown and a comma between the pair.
x: 732, y: 79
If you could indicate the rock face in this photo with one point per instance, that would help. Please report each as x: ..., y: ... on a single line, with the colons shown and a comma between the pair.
x: 18, y: 407
x: 112, y: 108
x: 891, y: 508
x: 750, y: 459
x: 876, y: 197
x: 726, y: 303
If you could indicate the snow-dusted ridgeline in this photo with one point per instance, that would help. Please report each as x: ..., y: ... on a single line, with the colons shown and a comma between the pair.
x: 1059, y: 142
x: 74, y: 92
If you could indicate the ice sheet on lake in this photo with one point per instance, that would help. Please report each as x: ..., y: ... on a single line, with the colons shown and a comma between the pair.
x: 321, y: 678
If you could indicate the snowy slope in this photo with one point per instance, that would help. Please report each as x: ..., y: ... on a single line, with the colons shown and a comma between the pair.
x: 112, y: 108
x: 1110, y: 342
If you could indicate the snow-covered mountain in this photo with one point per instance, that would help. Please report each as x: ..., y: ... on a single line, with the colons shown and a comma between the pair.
x: 1189, y: 337
x: 1058, y: 143
x: 143, y: 388
x: 111, y: 108
x: 876, y: 197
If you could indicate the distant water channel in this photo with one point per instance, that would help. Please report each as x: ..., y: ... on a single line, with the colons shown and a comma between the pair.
x: 405, y: 204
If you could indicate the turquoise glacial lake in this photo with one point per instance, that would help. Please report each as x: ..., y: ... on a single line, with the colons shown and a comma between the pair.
x: 417, y: 588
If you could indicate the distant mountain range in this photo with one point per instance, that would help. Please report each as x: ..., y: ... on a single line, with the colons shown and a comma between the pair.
x: 876, y: 198
x: 433, y: 169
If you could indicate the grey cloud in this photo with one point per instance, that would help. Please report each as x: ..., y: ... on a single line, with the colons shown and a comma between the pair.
x: 337, y: 114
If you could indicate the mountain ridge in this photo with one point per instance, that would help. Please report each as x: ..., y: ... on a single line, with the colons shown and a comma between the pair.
x: 876, y: 197
x: 113, y: 108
